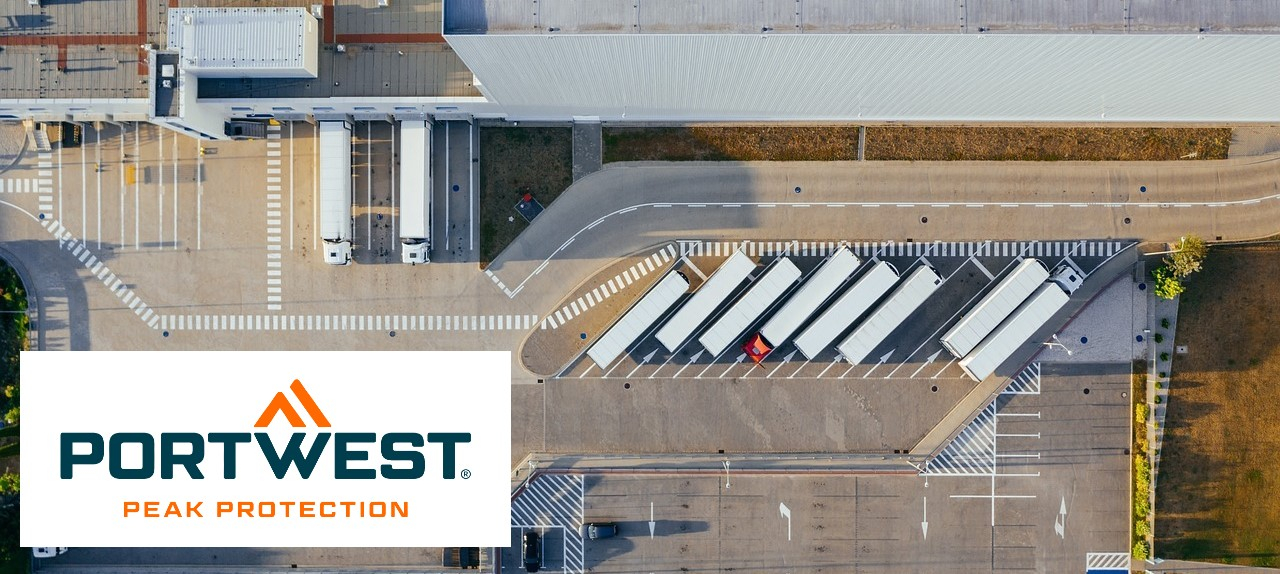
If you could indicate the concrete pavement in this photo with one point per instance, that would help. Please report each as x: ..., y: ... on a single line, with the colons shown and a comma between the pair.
x: 632, y: 205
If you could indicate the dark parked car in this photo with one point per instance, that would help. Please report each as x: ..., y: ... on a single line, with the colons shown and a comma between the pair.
x: 598, y: 530
x: 532, y: 552
x: 245, y: 129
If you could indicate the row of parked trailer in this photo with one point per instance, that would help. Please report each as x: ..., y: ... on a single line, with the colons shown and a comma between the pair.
x: 336, y: 221
x: 874, y: 305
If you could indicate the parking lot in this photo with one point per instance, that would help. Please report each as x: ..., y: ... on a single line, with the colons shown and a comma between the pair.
x: 912, y: 351
x: 1036, y: 484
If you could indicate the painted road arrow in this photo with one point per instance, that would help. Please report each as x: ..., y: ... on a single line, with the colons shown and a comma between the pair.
x: 927, y: 362
x: 924, y: 524
x: 883, y: 360
x: 693, y: 360
x: 785, y: 360
x: 652, y: 523
x: 646, y: 359
x: 741, y: 357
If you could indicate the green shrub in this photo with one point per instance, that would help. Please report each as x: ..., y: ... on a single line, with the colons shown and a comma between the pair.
x: 1159, y: 338
x: 8, y: 483
x: 1142, y: 529
x: 1159, y: 385
x: 1164, y: 356
x: 1164, y: 323
x: 1168, y: 285
x: 1163, y: 375
x: 1140, y: 413
x: 1158, y: 399
x: 1140, y: 550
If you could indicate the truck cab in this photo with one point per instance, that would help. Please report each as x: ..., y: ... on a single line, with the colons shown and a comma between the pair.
x: 414, y: 252
x: 337, y: 252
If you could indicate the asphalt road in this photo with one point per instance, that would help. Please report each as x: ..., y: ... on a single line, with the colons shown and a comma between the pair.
x: 139, y: 241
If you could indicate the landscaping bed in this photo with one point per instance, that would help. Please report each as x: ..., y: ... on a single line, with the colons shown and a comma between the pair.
x: 514, y: 162
x: 835, y: 143
x: 1220, y: 466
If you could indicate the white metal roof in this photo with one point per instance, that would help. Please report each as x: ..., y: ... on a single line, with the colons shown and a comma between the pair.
x: 903, y: 77
x: 710, y: 295
x: 766, y: 289
x: 415, y: 179
x: 1014, y: 331
x: 250, y: 42
x: 335, y: 181
x: 984, y: 317
x: 895, y: 309
x: 868, y: 289
x: 816, y: 290
x: 640, y: 317
x: 856, y: 16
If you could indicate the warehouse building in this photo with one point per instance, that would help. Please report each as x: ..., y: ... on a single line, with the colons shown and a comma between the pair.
x: 1130, y: 61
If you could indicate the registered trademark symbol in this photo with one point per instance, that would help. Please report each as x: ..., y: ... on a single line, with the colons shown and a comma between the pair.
x: 466, y: 473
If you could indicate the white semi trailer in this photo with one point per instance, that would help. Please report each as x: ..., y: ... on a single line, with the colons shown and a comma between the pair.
x: 415, y: 191
x: 335, y: 191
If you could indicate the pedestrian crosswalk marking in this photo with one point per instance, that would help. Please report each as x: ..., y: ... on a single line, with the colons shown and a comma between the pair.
x: 604, y: 290
x: 69, y: 243
x: 276, y: 322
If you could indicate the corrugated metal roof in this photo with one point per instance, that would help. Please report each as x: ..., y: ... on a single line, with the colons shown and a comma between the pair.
x: 1014, y: 331
x: 811, y: 295
x: 245, y: 40
x: 904, y: 77
x: 710, y: 295
x: 750, y: 307
x: 860, y: 16
x: 849, y: 307
x: 984, y: 317
x: 895, y: 309
x: 645, y: 312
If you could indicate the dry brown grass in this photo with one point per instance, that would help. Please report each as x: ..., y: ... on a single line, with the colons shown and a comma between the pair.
x: 1045, y: 144
x: 731, y: 144
x: 835, y: 143
x: 513, y: 162
x: 1219, y: 475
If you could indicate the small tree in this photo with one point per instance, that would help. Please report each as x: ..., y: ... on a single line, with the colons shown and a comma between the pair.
x: 1168, y: 285
x: 1187, y: 259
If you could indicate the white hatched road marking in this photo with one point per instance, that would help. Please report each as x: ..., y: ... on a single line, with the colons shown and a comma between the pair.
x: 970, y: 453
x: 1107, y: 561
x: 79, y: 250
x: 554, y: 500
x: 324, y: 322
x: 1025, y: 383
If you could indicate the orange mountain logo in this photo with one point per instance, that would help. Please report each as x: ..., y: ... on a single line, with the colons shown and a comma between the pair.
x: 280, y: 404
